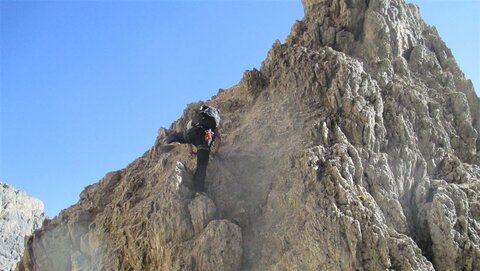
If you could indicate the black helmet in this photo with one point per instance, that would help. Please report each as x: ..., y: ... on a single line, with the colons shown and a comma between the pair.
x: 212, y: 112
x: 204, y: 107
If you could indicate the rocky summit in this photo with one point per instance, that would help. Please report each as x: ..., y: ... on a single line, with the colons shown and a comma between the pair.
x: 353, y: 147
x: 20, y: 215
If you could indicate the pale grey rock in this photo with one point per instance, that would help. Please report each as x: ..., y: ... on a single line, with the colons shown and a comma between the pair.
x: 202, y: 210
x: 20, y: 215
x: 219, y: 247
x: 80, y: 262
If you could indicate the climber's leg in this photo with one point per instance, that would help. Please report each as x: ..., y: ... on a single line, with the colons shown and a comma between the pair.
x: 203, y: 156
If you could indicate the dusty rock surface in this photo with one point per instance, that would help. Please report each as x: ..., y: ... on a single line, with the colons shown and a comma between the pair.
x: 354, y: 147
x: 20, y: 215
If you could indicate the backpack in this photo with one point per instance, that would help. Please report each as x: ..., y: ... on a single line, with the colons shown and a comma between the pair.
x: 208, y: 117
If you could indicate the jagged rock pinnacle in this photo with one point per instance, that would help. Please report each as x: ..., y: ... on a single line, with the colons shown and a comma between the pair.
x: 20, y: 215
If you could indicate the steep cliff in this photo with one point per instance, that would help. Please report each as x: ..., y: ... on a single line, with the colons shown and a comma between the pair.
x: 20, y: 215
x: 354, y: 147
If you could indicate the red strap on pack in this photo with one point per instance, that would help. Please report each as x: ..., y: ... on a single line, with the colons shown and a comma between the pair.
x: 208, y: 136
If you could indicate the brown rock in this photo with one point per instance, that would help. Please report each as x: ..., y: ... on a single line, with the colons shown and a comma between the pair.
x: 354, y: 147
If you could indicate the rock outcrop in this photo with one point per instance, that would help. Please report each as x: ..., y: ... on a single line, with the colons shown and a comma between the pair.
x: 20, y: 215
x: 354, y: 147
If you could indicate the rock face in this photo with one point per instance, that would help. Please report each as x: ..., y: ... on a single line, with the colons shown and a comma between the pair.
x: 20, y: 215
x: 354, y: 147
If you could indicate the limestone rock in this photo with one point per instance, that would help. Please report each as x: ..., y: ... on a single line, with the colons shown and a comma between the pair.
x: 202, y: 210
x: 353, y: 147
x: 219, y: 247
x: 20, y: 215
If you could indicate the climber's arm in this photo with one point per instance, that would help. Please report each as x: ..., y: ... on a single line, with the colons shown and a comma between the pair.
x: 216, y: 143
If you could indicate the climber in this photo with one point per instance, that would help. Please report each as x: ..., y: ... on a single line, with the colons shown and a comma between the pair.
x: 202, y: 134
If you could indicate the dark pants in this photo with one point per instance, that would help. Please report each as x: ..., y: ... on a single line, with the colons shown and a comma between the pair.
x: 201, y: 171
x: 195, y: 136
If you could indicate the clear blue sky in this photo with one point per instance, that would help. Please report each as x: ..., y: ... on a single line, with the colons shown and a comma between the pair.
x: 85, y: 85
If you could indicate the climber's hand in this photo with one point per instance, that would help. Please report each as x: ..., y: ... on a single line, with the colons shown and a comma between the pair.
x: 192, y: 152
